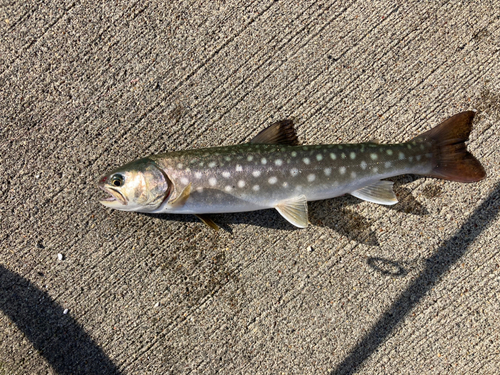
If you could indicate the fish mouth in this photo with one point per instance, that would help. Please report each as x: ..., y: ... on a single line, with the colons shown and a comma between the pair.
x: 115, y: 199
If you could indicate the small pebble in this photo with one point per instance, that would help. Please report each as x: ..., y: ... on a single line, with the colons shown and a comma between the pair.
x: 157, y: 304
x: 65, y: 311
x: 310, y: 248
x: 60, y: 256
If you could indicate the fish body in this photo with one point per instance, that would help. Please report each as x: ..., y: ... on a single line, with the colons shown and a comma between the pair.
x: 272, y: 171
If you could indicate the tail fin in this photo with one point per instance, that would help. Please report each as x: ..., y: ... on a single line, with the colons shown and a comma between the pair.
x: 451, y: 159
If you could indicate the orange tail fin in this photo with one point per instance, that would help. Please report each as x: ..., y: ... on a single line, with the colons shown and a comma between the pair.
x: 451, y: 159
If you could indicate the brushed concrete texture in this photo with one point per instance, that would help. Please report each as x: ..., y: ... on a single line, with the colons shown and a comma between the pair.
x: 88, y: 85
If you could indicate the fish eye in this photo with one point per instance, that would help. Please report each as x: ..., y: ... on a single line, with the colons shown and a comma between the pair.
x: 117, y: 180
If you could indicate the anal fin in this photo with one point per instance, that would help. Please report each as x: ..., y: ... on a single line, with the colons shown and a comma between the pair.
x: 206, y: 220
x: 380, y: 192
x: 294, y: 210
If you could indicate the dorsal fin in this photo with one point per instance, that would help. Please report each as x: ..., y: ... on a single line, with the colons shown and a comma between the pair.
x: 281, y: 132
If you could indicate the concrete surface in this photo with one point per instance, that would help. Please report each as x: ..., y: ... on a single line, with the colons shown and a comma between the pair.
x: 88, y: 85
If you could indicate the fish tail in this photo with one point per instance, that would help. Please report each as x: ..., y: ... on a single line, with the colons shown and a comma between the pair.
x: 451, y: 160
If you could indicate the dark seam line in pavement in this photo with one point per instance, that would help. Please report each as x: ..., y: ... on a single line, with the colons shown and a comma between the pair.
x: 222, y: 97
x: 56, y: 336
x: 243, y: 80
x: 276, y: 68
x: 437, y: 265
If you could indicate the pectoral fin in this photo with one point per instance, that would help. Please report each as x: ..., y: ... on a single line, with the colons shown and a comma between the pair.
x: 206, y: 220
x: 294, y: 210
x: 182, y: 198
x: 380, y: 192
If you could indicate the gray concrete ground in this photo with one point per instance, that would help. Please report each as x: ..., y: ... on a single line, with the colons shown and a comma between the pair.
x: 88, y: 85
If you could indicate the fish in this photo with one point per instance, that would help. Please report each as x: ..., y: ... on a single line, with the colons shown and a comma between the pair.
x: 274, y: 171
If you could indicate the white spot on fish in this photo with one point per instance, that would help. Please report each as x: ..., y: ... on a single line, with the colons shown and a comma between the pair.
x: 212, y: 181
x: 353, y: 174
x: 373, y: 156
x: 319, y: 157
x: 401, y: 156
x: 212, y: 164
x: 294, y: 172
x: 227, y: 158
x: 294, y: 154
x: 333, y: 156
x: 180, y: 165
x: 184, y: 181
x: 272, y: 180
x: 198, y: 175
x: 226, y: 174
x: 298, y: 188
x: 239, y: 168
x: 342, y: 170
x: 256, y: 188
x: 363, y: 165
x: 228, y: 188
x: 410, y: 159
x: 305, y: 148
x: 409, y: 146
x: 311, y: 177
x: 278, y: 162
x: 328, y: 171
x: 306, y: 160
x: 343, y: 156
x: 388, y: 164
x: 263, y: 161
x: 352, y: 155
x: 250, y: 157
x: 241, y: 183
x: 375, y: 169
x: 201, y: 164
x: 389, y: 152
x: 418, y: 157
x: 256, y: 173
x: 285, y: 184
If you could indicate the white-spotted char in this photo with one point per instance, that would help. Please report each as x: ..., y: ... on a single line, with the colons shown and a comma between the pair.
x: 272, y: 171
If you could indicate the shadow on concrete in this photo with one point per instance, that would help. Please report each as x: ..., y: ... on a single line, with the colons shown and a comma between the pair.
x: 56, y: 336
x: 387, y: 267
x: 446, y: 256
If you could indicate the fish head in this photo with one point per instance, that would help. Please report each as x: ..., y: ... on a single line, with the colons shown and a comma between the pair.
x: 137, y: 186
